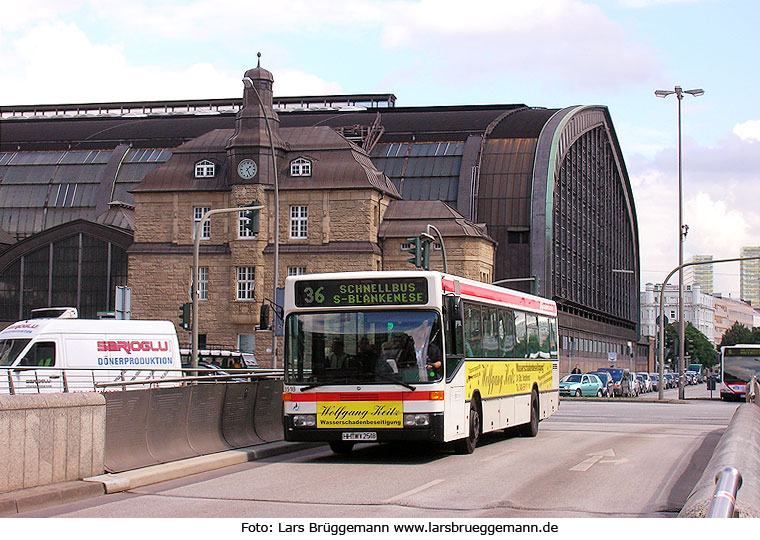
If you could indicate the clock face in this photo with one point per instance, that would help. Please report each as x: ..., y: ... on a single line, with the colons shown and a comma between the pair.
x: 247, y: 169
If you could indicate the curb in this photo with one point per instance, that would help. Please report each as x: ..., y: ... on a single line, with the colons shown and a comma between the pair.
x: 36, y: 498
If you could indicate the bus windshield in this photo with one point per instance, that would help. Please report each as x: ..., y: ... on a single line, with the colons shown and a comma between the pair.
x: 10, y: 349
x: 363, y: 346
x: 739, y: 368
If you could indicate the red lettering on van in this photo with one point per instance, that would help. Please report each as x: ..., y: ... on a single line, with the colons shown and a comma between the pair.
x: 130, y: 346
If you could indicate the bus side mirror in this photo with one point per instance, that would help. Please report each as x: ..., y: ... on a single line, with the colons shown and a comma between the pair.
x: 455, y: 308
x: 264, y: 317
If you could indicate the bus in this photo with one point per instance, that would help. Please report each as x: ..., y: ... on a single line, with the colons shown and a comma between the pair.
x: 414, y: 356
x: 738, y: 364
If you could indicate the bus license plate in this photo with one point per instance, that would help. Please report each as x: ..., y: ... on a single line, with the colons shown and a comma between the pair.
x: 360, y: 436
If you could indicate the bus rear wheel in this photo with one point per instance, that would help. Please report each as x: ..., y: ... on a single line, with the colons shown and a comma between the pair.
x: 468, y: 444
x: 341, y: 447
x: 531, y: 428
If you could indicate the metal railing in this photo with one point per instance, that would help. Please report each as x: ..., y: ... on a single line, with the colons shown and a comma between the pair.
x: 39, y: 380
x: 753, y: 389
x: 727, y: 484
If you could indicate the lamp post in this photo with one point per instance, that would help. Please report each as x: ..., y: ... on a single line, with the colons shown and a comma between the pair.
x: 679, y: 93
x: 247, y: 81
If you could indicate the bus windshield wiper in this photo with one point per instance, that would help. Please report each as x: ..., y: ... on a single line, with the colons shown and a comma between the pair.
x: 396, y: 381
x: 323, y: 383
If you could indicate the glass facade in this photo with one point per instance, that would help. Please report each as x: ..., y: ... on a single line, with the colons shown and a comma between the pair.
x: 79, y: 271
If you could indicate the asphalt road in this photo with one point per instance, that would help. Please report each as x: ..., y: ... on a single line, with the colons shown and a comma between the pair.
x: 593, y: 458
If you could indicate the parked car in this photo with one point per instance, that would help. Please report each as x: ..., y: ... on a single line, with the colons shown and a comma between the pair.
x: 576, y: 384
x: 607, y: 381
x: 645, y: 382
x: 670, y: 381
x: 655, y: 382
x: 635, y: 385
x: 622, y: 379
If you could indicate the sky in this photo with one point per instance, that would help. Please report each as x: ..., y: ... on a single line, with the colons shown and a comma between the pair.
x: 542, y: 53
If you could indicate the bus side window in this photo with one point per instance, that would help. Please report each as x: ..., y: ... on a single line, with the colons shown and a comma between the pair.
x: 473, y: 336
x: 521, y: 338
x: 40, y: 355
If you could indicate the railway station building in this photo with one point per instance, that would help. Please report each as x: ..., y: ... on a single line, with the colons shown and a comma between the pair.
x: 95, y: 196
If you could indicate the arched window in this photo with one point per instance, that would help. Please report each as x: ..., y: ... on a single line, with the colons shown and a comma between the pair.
x: 300, y: 167
x: 205, y: 169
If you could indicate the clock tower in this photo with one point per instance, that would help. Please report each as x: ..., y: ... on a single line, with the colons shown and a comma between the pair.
x: 249, y: 155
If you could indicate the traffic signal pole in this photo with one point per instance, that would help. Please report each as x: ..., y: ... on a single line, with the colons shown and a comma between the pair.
x: 194, y: 280
x: 681, y: 337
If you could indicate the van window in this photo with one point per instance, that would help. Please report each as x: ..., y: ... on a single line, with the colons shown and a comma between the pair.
x: 41, y: 354
x: 10, y: 349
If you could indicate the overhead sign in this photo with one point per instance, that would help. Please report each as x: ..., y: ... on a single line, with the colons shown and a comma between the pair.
x: 362, y: 292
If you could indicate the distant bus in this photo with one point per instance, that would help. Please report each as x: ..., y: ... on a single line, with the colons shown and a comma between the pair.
x: 414, y: 356
x: 738, y: 364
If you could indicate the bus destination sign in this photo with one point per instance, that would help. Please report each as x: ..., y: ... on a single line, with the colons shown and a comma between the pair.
x: 739, y: 351
x: 402, y: 291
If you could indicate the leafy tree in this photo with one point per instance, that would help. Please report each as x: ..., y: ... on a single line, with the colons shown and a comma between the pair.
x: 738, y: 333
x: 704, y: 351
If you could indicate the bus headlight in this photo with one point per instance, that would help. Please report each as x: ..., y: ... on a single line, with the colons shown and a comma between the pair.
x: 304, y: 420
x: 417, y: 419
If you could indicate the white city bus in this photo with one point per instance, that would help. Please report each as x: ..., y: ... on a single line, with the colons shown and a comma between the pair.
x: 414, y: 356
x: 738, y: 364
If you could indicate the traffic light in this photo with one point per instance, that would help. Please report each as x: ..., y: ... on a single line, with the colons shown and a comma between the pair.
x: 415, y: 248
x: 426, y: 241
x: 690, y: 347
x: 184, y: 315
x: 252, y: 225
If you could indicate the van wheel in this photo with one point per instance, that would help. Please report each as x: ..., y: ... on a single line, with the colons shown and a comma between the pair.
x: 531, y: 428
x: 468, y: 444
x: 341, y: 447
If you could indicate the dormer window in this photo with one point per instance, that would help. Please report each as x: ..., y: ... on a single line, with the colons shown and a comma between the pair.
x: 205, y: 169
x: 300, y: 167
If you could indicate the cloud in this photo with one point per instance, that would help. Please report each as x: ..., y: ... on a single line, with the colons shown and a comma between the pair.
x: 720, y: 206
x: 56, y: 62
x: 566, y: 40
x: 748, y: 131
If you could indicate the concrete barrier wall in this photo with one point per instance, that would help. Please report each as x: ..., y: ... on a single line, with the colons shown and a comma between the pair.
x: 50, y: 438
x: 740, y: 448
x: 158, y: 425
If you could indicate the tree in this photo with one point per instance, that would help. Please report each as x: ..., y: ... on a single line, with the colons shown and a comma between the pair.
x: 704, y: 351
x: 738, y: 333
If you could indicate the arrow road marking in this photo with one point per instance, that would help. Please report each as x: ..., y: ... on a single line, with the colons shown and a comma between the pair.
x: 589, y: 462
x: 414, y: 491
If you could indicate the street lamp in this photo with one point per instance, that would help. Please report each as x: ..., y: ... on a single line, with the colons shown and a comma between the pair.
x: 681, y: 233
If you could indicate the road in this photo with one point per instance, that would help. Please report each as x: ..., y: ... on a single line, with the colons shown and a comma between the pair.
x: 591, y: 459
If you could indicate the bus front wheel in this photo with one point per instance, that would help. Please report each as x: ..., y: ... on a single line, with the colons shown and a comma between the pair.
x: 341, y: 447
x: 468, y: 444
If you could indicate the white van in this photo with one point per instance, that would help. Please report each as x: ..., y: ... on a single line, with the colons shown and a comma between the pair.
x: 33, y: 351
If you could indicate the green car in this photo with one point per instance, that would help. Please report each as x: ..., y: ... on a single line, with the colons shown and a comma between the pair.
x: 579, y: 385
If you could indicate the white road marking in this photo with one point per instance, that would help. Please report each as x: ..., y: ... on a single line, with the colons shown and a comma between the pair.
x: 414, y: 491
x: 587, y: 463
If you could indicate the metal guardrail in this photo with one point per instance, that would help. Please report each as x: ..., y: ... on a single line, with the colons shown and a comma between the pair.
x: 38, y: 380
x: 727, y: 484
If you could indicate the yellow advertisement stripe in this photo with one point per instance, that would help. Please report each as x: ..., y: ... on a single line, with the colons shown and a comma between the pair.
x: 504, y: 378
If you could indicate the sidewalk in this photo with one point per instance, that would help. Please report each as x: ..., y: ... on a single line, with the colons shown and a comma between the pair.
x: 24, y: 500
